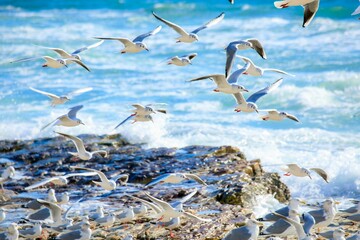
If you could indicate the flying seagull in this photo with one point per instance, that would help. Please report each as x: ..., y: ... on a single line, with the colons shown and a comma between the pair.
x: 183, y: 60
x: 275, y: 115
x: 294, y: 169
x: 67, y: 120
x: 190, y: 37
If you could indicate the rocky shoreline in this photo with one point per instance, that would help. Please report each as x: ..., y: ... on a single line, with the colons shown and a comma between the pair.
x: 233, y: 181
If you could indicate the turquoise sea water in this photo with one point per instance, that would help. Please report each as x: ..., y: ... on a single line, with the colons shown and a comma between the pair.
x: 324, y: 95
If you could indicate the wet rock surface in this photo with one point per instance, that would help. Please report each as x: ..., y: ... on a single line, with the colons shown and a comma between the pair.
x: 233, y: 182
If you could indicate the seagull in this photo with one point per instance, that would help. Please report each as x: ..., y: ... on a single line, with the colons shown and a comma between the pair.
x: 135, y: 45
x: 357, y: 11
x: 241, y: 45
x: 137, y: 118
x: 126, y: 216
x: 249, y: 105
x: 106, y: 221
x: 170, y: 225
x: 248, y: 232
x: 294, y: 169
x: 55, y: 211
x: 54, y: 63
x: 105, y: 182
x: 6, y: 175
x: 183, y: 60
x: 302, y: 231
x: 98, y: 214
x: 51, y: 196
x: 226, y: 84
x: 139, y: 211
x: 146, y: 110
x: 176, y: 178
x: 337, y: 234
x: 64, y: 198
x: 190, y: 37
x: 257, y: 71
x: 275, y: 115
x: 281, y: 227
x: 82, y: 234
x: 12, y: 233
x: 67, y: 120
x: 65, y: 55
x: 326, y: 215
x: 293, y: 205
x: 57, y: 100
x: 310, y: 8
x: 33, y: 232
x: 59, y: 180
x: 168, y: 212
x: 81, y: 151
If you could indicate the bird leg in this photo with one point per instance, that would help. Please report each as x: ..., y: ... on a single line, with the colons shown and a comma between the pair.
x: 287, y: 174
x: 122, y: 52
x: 265, y: 118
x: 172, y: 235
x: 237, y: 110
x: 216, y: 90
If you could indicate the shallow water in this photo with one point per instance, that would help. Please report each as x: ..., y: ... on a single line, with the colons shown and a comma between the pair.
x: 323, y: 95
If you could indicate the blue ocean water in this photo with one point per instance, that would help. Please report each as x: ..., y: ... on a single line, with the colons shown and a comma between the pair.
x: 324, y: 95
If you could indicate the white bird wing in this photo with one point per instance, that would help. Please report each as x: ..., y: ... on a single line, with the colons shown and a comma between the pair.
x: 233, y: 78
x: 124, y: 41
x: 195, y: 178
x: 321, y: 173
x: 78, y: 62
x: 141, y: 37
x: 50, y: 95
x: 88, y: 47
x: 84, y: 174
x: 124, y: 178
x: 61, y: 52
x: 153, y: 206
x: 212, y: 22
x: 292, y: 117
x: 99, y: 173
x: 310, y: 10
x: 26, y: 59
x: 177, y: 28
x: 41, y: 183
x: 230, y: 55
x: 190, y: 215
x: 52, y: 123
x: 78, y: 92
x: 255, y: 96
x: 126, y: 119
x: 357, y: 11
x: 166, y: 206
x: 73, y: 111
x: 187, y: 197
x: 54, y: 209
x: 258, y: 47
x: 239, y: 98
x: 278, y: 71
x: 294, y: 167
x: 219, y: 79
x: 138, y: 107
x: 298, y: 227
x: 158, y: 179
x: 77, y: 141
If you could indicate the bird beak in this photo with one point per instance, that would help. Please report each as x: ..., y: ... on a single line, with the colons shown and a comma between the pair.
x: 65, y: 65
x: 302, y: 202
x: 245, y: 90
x: 83, y: 123
x: 337, y: 202
x: 44, y: 65
x: 256, y: 110
x: 147, y: 49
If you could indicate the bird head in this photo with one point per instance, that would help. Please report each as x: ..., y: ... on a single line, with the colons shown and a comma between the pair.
x: 142, y: 45
x: 194, y: 36
x: 76, y: 56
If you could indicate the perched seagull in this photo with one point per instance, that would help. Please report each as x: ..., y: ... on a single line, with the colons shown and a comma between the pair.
x: 248, y: 232
x: 176, y: 178
x: 357, y: 11
x: 146, y: 110
x: 281, y: 227
x: 294, y: 169
x: 81, y: 151
x: 126, y: 216
x: 51, y: 196
x: 310, y: 8
x: 64, y: 198
x: 6, y: 176
x: 33, y: 232
x: 190, y: 37
x: 137, y: 118
x: 257, y: 71
x: 337, y: 234
x: 326, y: 215
x: 139, y: 211
x: 2, y: 215
x: 12, y: 233
x: 105, y: 182
x: 183, y: 60
x: 135, y: 45
x: 59, y: 180
x: 168, y: 212
x: 226, y: 84
x: 106, y: 221
x: 275, y: 115
x: 82, y: 234
x: 170, y: 225
x: 232, y: 48
x: 65, y: 55
x: 57, y: 100
x: 54, y: 63
x: 249, y: 105
x: 98, y: 214
x: 67, y: 120
x: 293, y: 205
x: 302, y: 231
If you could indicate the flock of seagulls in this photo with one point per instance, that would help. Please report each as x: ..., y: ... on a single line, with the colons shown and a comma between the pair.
x: 48, y: 213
